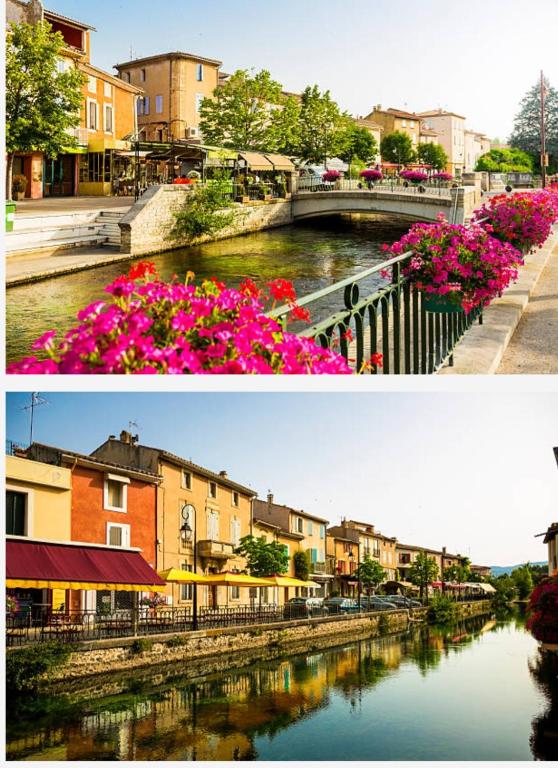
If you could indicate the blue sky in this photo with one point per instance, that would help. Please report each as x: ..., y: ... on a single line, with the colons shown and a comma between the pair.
x: 473, y: 472
x: 474, y: 57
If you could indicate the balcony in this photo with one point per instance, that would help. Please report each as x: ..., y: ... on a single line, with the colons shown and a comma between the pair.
x: 319, y: 568
x: 80, y: 134
x: 216, y: 550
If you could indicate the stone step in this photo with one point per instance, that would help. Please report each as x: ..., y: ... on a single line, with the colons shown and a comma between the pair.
x: 22, y: 239
x: 75, y: 241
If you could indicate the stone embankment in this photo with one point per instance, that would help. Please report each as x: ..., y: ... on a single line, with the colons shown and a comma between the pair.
x: 203, y: 651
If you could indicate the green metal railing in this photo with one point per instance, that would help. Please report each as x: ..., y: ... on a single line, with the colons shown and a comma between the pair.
x: 392, y: 321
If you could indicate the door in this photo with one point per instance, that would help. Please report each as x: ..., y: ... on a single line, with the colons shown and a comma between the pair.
x: 59, y: 176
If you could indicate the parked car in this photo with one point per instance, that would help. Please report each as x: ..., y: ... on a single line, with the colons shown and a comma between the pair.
x: 341, y: 605
x: 404, y: 602
x: 376, y: 603
x: 302, y: 607
x: 311, y: 178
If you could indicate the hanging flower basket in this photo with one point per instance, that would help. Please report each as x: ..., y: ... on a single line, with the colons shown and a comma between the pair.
x: 450, y: 304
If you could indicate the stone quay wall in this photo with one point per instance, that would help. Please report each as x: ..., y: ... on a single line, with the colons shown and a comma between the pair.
x: 126, y: 655
x: 147, y: 226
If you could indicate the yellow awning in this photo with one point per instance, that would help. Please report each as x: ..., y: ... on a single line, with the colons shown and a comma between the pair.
x: 178, y: 576
x: 236, y: 580
x: 280, y: 162
x: 256, y: 161
x: 45, y: 584
x: 289, y: 581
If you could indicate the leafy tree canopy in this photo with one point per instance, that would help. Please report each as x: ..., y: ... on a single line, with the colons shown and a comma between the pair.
x: 42, y: 104
x: 360, y: 144
x: 505, y: 161
x: 434, y: 155
x: 301, y: 562
x: 423, y: 571
x: 370, y: 573
x: 264, y: 558
x: 523, y: 581
x: 323, y: 128
x: 526, y: 133
x: 398, y: 148
x: 458, y: 573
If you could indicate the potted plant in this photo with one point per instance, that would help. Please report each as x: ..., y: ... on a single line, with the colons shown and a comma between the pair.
x: 19, y: 185
x: 371, y: 176
x: 281, y: 189
x: 456, y: 268
x: 332, y: 176
x: 264, y: 191
x: 414, y: 177
x: 241, y: 196
x: 442, y: 178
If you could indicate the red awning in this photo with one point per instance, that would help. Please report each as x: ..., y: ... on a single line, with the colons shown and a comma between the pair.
x: 32, y: 564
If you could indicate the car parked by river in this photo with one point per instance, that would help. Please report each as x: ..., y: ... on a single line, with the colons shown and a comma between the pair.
x: 402, y: 601
x: 341, y: 605
x: 375, y: 603
x: 303, y: 607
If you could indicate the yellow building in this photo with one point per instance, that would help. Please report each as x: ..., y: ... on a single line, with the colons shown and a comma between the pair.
x: 291, y: 543
x: 193, y: 503
x: 174, y: 85
x: 392, y: 120
x: 353, y: 541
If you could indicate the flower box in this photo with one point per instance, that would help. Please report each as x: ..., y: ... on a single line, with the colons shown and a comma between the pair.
x: 449, y: 304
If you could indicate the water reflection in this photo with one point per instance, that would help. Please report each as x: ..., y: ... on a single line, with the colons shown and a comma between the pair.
x: 431, y: 694
x: 313, y: 255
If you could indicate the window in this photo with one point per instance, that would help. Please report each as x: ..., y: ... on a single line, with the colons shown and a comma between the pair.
x: 16, y: 504
x: 212, y: 490
x: 235, y: 593
x: 142, y: 75
x: 404, y: 123
x: 199, y: 98
x: 91, y: 115
x: 146, y: 105
x: 212, y: 525
x: 199, y: 73
x: 299, y: 525
x: 108, y: 90
x: 187, y: 480
x: 310, y: 528
x: 158, y: 104
x: 118, y: 535
x: 412, y: 123
x: 235, y: 498
x: 286, y: 548
x: 187, y: 590
x: 313, y: 555
x: 92, y: 84
x: 94, y: 166
x: 115, y: 496
x: 108, y: 118
x: 322, y: 531
x: 126, y: 77
x: 404, y: 558
x: 235, y: 532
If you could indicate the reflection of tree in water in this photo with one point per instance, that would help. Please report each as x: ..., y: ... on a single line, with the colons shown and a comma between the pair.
x: 544, y: 733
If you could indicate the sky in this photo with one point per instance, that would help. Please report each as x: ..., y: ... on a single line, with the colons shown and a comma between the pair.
x: 472, y: 472
x: 473, y: 57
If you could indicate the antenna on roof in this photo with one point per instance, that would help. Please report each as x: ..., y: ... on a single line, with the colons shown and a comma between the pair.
x: 135, y: 424
x: 36, y: 400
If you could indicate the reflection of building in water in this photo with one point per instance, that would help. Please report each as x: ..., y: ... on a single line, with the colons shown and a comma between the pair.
x: 544, y: 734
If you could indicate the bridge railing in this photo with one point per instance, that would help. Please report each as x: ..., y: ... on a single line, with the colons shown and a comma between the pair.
x: 386, y: 185
x: 385, y: 314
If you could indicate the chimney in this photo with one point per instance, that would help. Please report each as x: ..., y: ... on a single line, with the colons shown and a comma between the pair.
x: 444, y: 550
x: 378, y: 107
x: 112, y: 437
x: 125, y: 437
x: 223, y: 473
x: 269, y: 501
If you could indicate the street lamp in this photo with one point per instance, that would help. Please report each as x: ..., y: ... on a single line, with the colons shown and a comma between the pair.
x: 352, y: 559
x: 188, y: 534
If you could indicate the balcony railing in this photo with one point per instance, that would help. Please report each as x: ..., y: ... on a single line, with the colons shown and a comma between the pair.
x: 318, y: 568
x: 219, y: 550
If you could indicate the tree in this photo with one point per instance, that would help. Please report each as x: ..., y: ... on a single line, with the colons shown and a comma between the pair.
x: 263, y: 558
x: 434, y: 155
x: 523, y: 581
x: 526, y: 133
x: 301, y: 561
x: 42, y: 104
x: 244, y: 112
x: 359, y: 144
x: 323, y: 127
x: 423, y: 571
x: 202, y: 212
x: 286, y: 126
x: 505, y: 160
x: 370, y: 573
x: 458, y: 573
x: 397, y: 148
x: 506, y: 591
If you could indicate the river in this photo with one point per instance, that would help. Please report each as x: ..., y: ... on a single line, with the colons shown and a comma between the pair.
x: 480, y: 690
x: 313, y: 255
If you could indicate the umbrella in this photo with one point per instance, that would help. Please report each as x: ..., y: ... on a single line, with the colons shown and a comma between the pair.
x: 228, y: 579
x: 289, y: 581
x: 179, y: 576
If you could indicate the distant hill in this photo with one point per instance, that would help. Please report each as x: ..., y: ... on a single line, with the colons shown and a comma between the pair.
x: 498, y: 570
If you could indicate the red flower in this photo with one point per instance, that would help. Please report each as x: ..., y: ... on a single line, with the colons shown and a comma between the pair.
x: 377, y: 359
x: 218, y: 283
x: 141, y: 270
x: 348, y: 335
x: 249, y: 288
x: 299, y: 313
x: 282, y: 290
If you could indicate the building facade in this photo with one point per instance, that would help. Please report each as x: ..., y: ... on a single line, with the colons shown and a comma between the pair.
x: 392, y: 120
x: 450, y: 128
x: 174, y: 85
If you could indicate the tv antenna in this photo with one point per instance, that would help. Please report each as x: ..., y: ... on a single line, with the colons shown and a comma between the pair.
x: 36, y: 400
x: 134, y: 424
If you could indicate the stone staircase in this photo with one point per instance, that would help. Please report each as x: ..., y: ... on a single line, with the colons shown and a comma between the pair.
x: 84, y: 229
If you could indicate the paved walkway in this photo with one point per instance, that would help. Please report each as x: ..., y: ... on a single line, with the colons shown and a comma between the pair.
x: 534, y: 345
x: 27, y: 268
x: 51, y: 206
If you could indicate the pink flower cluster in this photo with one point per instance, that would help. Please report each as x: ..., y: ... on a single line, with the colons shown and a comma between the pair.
x: 371, y: 174
x: 415, y: 177
x: 149, y: 326
x: 465, y: 264
x: 331, y: 175
x: 523, y: 219
x: 442, y: 176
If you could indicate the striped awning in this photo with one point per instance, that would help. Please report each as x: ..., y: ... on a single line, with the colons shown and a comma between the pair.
x: 281, y: 163
x: 256, y: 161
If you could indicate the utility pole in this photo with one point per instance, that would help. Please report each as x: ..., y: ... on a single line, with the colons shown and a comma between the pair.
x: 543, y: 132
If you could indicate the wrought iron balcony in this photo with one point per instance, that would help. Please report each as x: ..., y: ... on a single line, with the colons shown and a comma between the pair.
x: 318, y: 568
x: 218, y: 550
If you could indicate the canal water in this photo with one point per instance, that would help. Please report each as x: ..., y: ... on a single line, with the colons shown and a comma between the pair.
x: 480, y: 690
x: 312, y: 255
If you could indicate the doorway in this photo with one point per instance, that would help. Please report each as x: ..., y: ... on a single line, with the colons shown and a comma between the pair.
x: 59, y: 176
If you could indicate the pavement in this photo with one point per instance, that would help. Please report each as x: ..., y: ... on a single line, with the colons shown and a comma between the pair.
x: 52, y: 206
x: 534, y: 345
x: 28, y: 268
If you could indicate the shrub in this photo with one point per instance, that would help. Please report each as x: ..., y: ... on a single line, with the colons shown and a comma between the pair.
x: 156, y: 327
x: 464, y: 264
x: 141, y: 645
x: 301, y: 561
x: 176, y: 640
x: 542, y: 618
x: 202, y: 213
x: 442, y: 609
x: 415, y: 177
x: 25, y: 666
x: 331, y: 175
x: 442, y: 176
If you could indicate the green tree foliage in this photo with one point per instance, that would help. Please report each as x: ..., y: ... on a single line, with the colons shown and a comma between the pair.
x: 302, y: 565
x: 25, y: 666
x: 506, y: 590
x: 287, y: 127
x: 526, y: 133
x: 442, y: 609
x: 423, y: 571
x: 264, y: 558
x: 434, y: 155
x: 323, y: 128
x: 202, y: 213
x: 397, y: 148
x: 505, y: 161
x: 370, y: 573
x: 523, y: 581
x: 459, y: 573
x: 244, y: 113
x: 42, y: 104
x: 359, y: 145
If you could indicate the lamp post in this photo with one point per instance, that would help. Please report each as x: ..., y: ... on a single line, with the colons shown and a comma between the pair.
x: 352, y: 559
x: 187, y: 533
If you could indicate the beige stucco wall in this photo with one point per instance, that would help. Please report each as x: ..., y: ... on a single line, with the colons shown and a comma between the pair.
x: 49, y: 493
